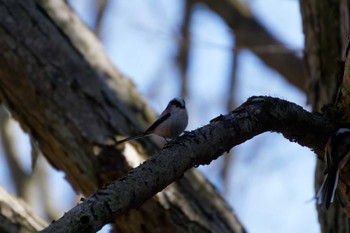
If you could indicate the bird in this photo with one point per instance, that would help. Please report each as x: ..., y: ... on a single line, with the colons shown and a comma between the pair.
x: 170, y: 124
x: 337, y: 153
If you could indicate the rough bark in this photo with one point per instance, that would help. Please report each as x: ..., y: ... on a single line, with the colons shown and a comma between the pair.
x: 326, y: 29
x: 199, y: 147
x: 57, y: 83
x: 322, y: 49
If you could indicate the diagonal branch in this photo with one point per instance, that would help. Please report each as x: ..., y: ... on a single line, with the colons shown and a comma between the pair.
x: 251, y: 34
x: 199, y: 147
x: 17, y: 216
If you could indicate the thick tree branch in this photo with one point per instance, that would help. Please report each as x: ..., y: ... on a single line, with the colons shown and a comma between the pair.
x: 56, y: 95
x: 61, y: 93
x: 199, y: 147
x: 90, y: 48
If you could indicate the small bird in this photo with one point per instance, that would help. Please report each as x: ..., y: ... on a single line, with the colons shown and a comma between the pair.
x: 170, y: 124
x: 337, y: 153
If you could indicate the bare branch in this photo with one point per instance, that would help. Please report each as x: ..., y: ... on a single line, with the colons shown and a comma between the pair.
x: 251, y: 34
x: 199, y: 147
x: 16, y: 216
x: 101, y: 6
x: 19, y: 177
x: 182, y: 57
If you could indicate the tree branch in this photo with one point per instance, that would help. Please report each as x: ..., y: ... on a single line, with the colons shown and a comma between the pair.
x: 16, y: 215
x: 251, y: 34
x: 199, y: 147
x: 19, y: 177
x: 58, y: 84
x: 101, y: 6
x: 184, y: 45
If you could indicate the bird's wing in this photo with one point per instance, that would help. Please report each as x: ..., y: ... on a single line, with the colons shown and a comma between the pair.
x: 160, y: 120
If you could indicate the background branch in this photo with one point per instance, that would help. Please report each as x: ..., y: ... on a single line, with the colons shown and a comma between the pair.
x: 101, y: 6
x: 231, y: 104
x: 251, y: 34
x: 184, y: 45
x: 16, y: 216
x: 20, y: 177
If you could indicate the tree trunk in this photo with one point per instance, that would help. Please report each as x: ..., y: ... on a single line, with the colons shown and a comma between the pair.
x: 326, y: 29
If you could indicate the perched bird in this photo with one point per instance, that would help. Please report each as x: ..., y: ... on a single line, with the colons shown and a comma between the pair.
x: 170, y: 124
x: 337, y: 153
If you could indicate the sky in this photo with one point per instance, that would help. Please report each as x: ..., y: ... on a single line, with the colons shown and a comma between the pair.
x: 271, y: 180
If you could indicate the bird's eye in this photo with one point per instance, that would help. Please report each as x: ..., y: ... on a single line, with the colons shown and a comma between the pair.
x: 176, y: 104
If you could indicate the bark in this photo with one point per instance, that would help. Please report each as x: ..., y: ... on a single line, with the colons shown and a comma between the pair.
x: 322, y: 49
x: 65, y: 93
x: 326, y: 29
x: 199, y: 147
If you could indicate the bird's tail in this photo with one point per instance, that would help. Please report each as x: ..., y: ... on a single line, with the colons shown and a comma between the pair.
x: 326, y: 193
x: 133, y: 138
